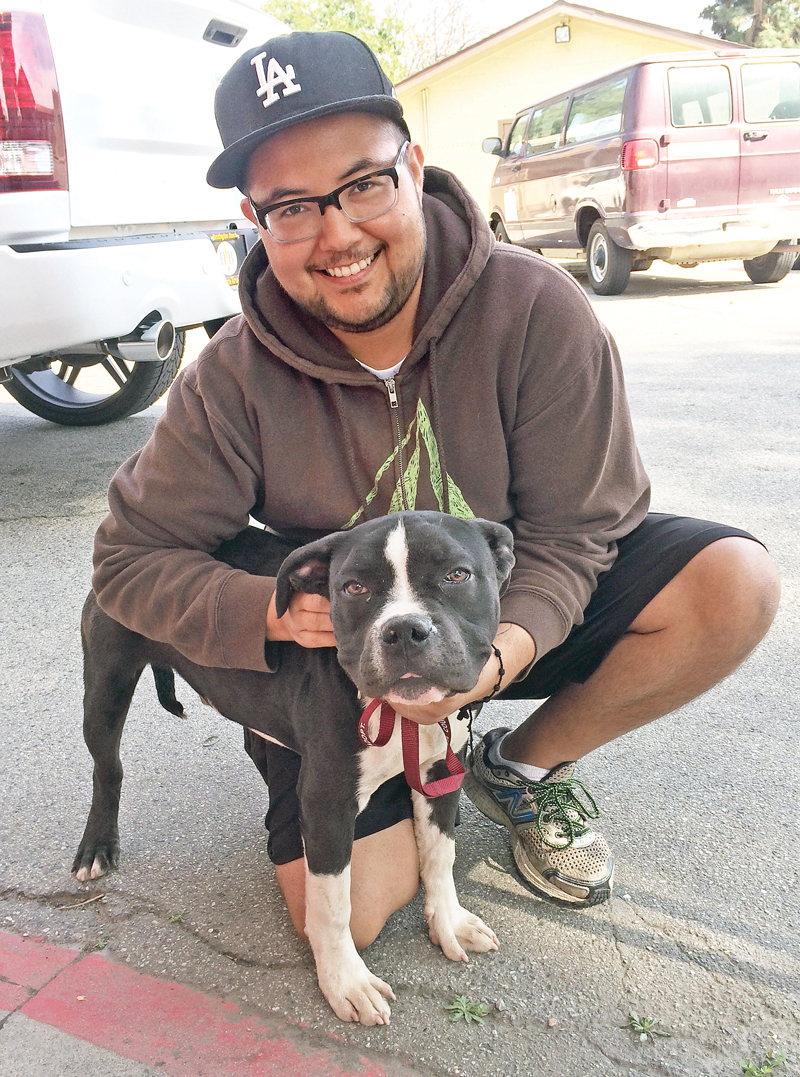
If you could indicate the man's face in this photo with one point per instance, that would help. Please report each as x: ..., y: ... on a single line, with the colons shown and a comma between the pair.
x: 314, y: 158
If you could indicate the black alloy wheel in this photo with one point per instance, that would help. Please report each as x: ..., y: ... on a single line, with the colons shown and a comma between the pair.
x: 89, y: 390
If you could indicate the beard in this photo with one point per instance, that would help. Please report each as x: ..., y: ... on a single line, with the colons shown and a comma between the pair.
x: 395, y: 296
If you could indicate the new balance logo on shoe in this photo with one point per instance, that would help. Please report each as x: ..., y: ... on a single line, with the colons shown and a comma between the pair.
x: 274, y: 76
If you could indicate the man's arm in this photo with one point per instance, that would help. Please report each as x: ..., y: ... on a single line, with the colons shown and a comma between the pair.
x: 190, y: 488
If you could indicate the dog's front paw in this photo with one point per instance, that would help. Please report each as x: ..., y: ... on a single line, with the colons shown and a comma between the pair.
x: 356, y: 995
x: 457, y: 930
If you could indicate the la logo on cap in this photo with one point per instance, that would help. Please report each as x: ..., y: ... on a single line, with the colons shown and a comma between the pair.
x: 275, y: 75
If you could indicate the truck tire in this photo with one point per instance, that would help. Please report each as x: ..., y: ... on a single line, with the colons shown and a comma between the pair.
x: 769, y: 268
x: 609, y: 266
x: 500, y: 233
x: 54, y: 394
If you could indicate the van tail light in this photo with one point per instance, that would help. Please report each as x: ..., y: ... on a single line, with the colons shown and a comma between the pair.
x: 640, y: 153
x: 32, y: 150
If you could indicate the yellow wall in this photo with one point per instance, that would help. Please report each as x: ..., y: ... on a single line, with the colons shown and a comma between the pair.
x: 469, y: 101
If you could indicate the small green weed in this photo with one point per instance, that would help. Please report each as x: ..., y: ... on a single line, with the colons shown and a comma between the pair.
x: 772, y: 1060
x: 644, y: 1027
x: 176, y: 917
x: 461, y: 1008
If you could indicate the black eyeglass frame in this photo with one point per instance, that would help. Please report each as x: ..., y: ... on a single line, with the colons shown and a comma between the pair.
x: 322, y: 201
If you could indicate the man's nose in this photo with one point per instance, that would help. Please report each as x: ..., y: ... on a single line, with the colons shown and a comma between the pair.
x: 338, y: 233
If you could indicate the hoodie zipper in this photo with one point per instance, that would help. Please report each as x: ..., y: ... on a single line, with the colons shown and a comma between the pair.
x: 394, y: 407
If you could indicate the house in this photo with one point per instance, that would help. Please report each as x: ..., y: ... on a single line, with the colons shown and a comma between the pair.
x: 455, y: 103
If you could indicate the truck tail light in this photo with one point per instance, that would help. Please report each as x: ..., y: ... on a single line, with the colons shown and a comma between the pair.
x: 640, y: 153
x: 32, y: 150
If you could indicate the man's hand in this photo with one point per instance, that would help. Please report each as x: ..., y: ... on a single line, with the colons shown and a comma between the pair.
x: 307, y: 621
x: 518, y: 651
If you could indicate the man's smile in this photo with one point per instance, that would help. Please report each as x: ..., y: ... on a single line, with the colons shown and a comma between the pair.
x: 351, y: 269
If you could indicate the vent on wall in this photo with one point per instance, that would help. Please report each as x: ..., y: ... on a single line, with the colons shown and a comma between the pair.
x: 224, y: 33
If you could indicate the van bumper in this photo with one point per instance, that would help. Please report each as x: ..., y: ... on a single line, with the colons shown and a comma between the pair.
x: 706, y: 239
x: 57, y: 295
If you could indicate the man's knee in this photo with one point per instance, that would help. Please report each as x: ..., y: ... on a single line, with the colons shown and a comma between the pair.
x: 728, y: 591
x: 739, y: 587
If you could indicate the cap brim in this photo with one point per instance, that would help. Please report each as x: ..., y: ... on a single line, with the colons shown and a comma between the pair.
x: 230, y: 168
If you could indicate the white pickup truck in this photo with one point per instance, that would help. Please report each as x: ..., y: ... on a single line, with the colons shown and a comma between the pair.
x: 112, y: 245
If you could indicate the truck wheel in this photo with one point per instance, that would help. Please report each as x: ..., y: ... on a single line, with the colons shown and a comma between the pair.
x: 56, y: 394
x: 609, y: 266
x: 769, y: 268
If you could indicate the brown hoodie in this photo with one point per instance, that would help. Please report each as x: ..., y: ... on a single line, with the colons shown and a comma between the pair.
x: 510, y: 406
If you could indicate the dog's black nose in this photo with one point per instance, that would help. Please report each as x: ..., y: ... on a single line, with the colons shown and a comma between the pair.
x: 406, y: 630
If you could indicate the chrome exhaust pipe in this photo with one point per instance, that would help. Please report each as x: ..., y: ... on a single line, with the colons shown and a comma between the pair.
x: 146, y: 344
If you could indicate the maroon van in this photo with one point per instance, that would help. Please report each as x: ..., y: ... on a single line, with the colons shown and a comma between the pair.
x: 688, y: 158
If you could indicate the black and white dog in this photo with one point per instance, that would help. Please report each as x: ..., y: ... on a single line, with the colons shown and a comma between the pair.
x: 415, y: 608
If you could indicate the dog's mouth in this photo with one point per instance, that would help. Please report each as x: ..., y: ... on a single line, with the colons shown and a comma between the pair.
x: 411, y: 688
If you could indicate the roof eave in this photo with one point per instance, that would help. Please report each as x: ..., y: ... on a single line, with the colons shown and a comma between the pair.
x: 559, y: 8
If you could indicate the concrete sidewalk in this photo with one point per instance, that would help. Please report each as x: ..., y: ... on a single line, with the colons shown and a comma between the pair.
x: 700, y: 807
x: 65, y: 1012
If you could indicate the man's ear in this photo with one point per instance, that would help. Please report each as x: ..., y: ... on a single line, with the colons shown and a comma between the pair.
x: 416, y: 162
x: 501, y: 542
x: 306, y: 570
x: 247, y: 210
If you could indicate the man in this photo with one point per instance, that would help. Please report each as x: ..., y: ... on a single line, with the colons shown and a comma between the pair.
x: 391, y: 356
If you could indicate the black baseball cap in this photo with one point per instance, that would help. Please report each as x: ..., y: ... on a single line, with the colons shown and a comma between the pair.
x: 289, y: 79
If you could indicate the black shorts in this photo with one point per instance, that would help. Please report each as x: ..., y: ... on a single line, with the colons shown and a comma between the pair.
x: 648, y: 558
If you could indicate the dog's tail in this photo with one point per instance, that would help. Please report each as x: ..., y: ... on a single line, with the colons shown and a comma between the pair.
x: 165, y: 689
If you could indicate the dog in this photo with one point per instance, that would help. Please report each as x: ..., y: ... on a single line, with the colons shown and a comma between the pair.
x: 415, y: 609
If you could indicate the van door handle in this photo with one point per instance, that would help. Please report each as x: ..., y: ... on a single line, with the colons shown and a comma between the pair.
x: 516, y: 168
x: 755, y: 136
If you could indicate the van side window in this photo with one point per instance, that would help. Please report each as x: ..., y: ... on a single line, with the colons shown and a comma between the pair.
x: 516, y: 138
x: 771, y: 92
x: 700, y: 96
x: 596, y: 113
x: 545, y: 129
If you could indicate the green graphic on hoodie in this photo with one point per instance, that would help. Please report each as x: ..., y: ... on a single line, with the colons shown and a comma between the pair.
x: 420, y: 431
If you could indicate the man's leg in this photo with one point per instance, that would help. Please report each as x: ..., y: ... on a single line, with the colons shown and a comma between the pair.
x: 384, y: 877
x: 695, y: 632
x: 682, y: 608
x: 385, y: 866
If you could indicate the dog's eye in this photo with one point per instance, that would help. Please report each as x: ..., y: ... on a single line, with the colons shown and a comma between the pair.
x: 355, y: 588
x: 458, y: 575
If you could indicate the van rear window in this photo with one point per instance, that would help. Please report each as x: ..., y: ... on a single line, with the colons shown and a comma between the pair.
x: 700, y: 96
x: 771, y: 92
x: 596, y: 113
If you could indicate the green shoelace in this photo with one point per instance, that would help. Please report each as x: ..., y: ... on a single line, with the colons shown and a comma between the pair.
x: 560, y: 803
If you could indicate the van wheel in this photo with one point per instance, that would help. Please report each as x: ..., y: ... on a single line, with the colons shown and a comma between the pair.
x: 74, y: 393
x: 609, y: 266
x: 500, y: 233
x: 769, y: 268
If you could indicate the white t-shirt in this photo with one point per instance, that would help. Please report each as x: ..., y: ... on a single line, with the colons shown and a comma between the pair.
x: 384, y: 375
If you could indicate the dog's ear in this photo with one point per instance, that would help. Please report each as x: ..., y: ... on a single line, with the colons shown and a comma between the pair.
x: 501, y: 543
x: 305, y: 570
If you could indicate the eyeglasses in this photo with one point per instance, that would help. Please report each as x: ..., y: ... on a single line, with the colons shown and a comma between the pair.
x: 361, y: 199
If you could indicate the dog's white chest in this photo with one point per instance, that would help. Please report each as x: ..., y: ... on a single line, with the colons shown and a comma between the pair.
x: 377, y: 765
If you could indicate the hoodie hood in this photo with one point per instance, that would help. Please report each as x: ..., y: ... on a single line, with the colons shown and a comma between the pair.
x: 459, y: 243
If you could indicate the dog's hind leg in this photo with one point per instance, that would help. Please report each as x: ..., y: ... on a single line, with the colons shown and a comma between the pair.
x: 451, y: 926
x: 111, y: 673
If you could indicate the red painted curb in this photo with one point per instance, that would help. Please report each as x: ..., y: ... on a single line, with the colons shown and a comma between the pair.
x: 31, y: 962
x: 156, y: 1022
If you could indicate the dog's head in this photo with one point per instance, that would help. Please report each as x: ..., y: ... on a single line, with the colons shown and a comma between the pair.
x: 415, y: 600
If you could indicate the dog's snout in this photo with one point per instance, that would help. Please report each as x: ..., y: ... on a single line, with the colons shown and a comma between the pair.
x: 406, y: 630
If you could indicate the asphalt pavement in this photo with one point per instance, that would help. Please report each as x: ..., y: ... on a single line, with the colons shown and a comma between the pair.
x: 184, y: 961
